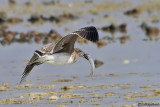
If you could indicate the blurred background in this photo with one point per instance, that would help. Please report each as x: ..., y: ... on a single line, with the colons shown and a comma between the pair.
x: 126, y: 56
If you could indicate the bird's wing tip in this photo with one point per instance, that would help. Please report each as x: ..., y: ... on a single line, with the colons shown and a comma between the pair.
x: 89, y: 33
x: 21, y: 82
x: 23, y: 78
x: 26, y: 72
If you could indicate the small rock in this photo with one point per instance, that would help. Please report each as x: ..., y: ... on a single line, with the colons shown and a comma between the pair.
x: 122, y: 28
x: 53, y: 98
x: 28, y: 85
x: 112, y: 28
x: 152, y: 31
x: 2, y: 20
x: 132, y: 12
x: 2, y: 88
x: 12, y: 2
x: 109, y: 94
x: 34, y: 19
x: 37, y: 39
x: 22, y: 35
x: 46, y: 87
x: 98, y: 63
x: 126, y: 61
x: 9, y: 36
x: 14, y: 20
x: 124, y: 39
x: 53, y: 19
x: 68, y: 88
x: 101, y: 43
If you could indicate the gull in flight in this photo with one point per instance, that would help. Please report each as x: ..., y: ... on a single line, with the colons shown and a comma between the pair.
x: 63, y: 52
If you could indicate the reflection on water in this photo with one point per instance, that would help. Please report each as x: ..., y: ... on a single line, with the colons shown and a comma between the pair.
x: 127, y: 55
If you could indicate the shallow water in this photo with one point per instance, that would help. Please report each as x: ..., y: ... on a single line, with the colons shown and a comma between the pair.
x: 129, y: 75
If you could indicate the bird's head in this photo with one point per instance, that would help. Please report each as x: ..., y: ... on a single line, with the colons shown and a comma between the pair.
x: 80, y: 53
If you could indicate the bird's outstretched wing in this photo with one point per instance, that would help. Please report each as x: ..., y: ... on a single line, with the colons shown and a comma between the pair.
x: 66, y: 44
x: 47, y: 49
x: 29, y: 67
x: 26, y: 72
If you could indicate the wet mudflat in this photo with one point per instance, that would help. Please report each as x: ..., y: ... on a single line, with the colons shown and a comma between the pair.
x: 126, y: 56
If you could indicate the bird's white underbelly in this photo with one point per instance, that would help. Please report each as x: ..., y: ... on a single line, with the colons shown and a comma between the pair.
x: 59, y: 59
